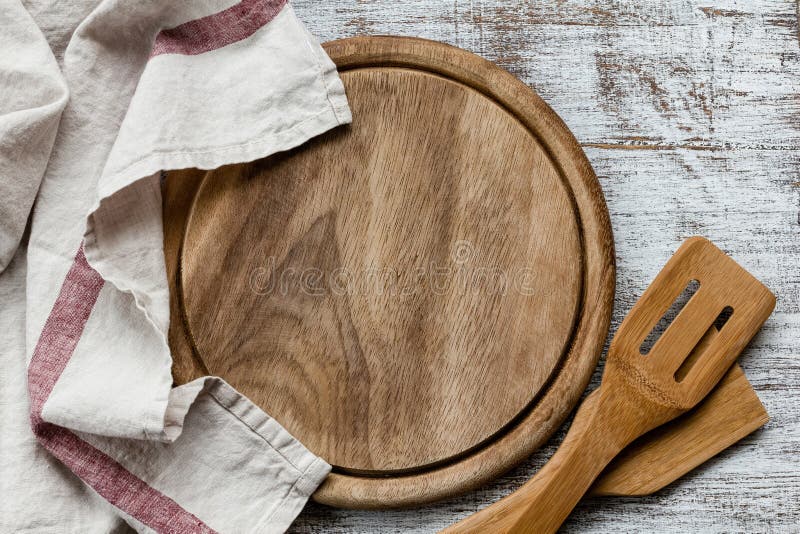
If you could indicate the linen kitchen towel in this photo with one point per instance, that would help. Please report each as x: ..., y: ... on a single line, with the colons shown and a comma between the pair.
x: 97, y: 99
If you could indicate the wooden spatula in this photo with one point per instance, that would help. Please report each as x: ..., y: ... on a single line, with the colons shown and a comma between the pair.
x: 640, y: 392
x: 729, y: 413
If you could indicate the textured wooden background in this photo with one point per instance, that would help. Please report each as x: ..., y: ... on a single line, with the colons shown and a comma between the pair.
x: 690, y: 114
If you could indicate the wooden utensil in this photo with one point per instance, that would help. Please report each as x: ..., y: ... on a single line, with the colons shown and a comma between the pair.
x: 642, y: 391
x: 729, y: 413
x: 460, y: 280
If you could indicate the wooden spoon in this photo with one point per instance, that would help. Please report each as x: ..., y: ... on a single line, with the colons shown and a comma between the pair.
x: 641, y: 392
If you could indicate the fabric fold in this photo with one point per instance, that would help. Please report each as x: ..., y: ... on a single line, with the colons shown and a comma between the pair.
x: 158, y: 86
x: 33, y: 96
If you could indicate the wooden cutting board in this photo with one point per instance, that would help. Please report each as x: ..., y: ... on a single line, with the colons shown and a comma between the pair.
x: 419, y: 297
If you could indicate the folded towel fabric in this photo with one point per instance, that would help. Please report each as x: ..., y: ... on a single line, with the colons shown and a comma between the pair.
x: 99, y: 99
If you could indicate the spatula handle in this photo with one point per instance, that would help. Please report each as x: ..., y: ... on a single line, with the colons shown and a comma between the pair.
x: 543, y: 503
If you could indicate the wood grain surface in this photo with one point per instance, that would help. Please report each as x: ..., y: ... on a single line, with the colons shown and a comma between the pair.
x: 375, y: 301
x: 422, y: 294
x: 688, y: 112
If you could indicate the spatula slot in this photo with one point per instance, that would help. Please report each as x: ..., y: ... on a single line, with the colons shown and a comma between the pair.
x: 723, y: 317
x: 701, y: 346
x: 669, y: 316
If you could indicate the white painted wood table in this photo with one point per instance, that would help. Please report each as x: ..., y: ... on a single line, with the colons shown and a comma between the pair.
x: 690, y: 114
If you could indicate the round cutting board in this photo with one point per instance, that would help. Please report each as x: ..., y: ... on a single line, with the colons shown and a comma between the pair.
x: 419, y: 297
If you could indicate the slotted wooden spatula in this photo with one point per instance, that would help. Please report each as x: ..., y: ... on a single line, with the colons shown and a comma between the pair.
x: 663, y: 455
x: 640, y: 392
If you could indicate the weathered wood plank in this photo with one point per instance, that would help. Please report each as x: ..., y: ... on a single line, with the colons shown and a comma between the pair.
x: 690, y: 115
x: 674, y: 73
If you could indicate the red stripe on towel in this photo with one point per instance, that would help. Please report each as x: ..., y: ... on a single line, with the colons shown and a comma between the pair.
x: 234, y: 24
x: 106, y: 476
x: 62, y: 330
